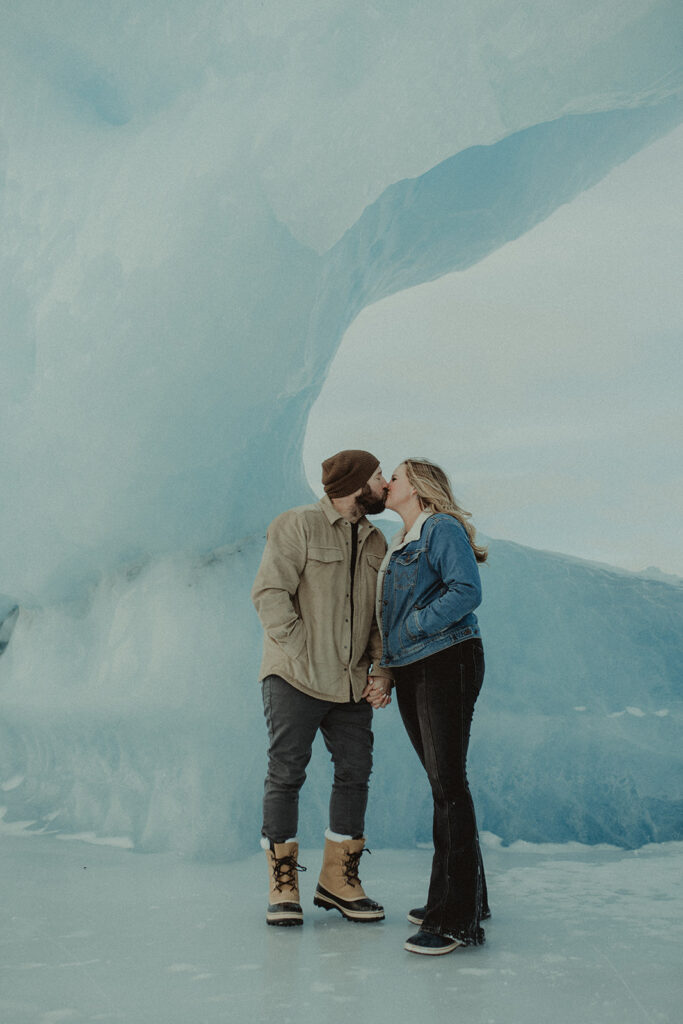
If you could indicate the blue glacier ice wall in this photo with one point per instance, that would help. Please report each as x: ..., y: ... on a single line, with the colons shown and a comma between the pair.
x: 134, y: 711
x: 198, y: 199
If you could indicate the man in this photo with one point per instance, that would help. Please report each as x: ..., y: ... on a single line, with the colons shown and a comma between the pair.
x: 315, y: 596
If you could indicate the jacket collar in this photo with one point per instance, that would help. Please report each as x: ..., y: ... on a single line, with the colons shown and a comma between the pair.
x: 326, y: 506
x: 416, y: 529
x: 402, y: 538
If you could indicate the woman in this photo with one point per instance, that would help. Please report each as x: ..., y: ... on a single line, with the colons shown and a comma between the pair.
x: 428, y: 588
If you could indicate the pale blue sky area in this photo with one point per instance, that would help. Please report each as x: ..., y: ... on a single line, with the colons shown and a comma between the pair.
x: 546, y: 379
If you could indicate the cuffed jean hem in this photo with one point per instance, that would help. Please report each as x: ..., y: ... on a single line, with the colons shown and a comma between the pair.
x: 474, y: 936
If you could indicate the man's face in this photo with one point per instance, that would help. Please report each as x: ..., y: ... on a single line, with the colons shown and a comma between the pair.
x: 372, y: 496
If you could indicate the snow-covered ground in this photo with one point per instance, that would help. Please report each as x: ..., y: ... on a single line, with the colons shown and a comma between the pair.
x: 579, y: 935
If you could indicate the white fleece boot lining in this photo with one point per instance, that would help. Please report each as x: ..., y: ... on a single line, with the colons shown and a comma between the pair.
x: 336, y: 837
x: 265, y: 843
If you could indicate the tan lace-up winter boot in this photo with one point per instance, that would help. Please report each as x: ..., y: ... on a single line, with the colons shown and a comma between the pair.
x: 339, y: 887
x: 283, y: 901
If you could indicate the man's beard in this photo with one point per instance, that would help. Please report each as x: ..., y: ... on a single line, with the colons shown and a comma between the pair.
x: 369, y: 503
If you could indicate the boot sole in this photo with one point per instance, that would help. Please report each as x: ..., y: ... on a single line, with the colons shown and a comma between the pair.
x: 286, y: 913
x: 327, y: 901
x: 426, y: 951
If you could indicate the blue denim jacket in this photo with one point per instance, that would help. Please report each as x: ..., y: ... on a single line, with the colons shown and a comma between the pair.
x: 430, y: 590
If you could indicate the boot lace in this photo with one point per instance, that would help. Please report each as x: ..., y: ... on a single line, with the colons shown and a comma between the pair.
x: 284, y: 869
x: 351, y: 864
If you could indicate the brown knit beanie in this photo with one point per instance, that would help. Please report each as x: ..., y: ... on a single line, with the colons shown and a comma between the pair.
x: 347, y: 471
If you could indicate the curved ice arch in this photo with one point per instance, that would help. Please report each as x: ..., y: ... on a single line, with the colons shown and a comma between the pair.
x: 205, y: 427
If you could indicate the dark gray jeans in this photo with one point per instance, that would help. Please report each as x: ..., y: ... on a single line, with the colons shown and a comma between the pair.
x: 293, y: 719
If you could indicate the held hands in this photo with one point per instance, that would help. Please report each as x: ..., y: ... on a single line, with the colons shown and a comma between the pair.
x: 378, y: 691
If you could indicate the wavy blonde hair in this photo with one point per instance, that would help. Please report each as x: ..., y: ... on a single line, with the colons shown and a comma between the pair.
x: 434, y: 492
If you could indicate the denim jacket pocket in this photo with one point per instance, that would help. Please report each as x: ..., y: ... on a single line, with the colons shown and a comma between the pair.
x: 405, y: 569
x: 413, y: 628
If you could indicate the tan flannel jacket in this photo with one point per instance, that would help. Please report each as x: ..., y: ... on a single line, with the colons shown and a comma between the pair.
x: 302, y: 596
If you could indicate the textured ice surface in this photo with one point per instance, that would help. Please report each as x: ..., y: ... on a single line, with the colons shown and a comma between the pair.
x: 197, y: 201
x: 577, y: 935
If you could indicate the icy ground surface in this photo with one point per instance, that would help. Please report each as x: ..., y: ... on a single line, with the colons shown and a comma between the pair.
x: 95, y: 933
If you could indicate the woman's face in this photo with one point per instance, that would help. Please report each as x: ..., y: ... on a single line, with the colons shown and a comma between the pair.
x: 400, y: 490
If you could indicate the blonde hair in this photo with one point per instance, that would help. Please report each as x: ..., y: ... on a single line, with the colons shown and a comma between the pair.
x: 435, y: 493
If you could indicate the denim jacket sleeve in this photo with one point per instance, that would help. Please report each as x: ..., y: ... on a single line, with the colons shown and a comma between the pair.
x: 451, y: 556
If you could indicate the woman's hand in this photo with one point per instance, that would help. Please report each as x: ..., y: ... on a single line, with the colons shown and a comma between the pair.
x: 378, y: 691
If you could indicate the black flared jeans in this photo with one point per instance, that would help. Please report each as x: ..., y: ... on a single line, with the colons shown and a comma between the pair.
x: 436, y: 698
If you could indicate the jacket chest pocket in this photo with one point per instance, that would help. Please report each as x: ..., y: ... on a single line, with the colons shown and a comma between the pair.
x: 374, y: 561
x: 323, y: 560
x: 405, y: 569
